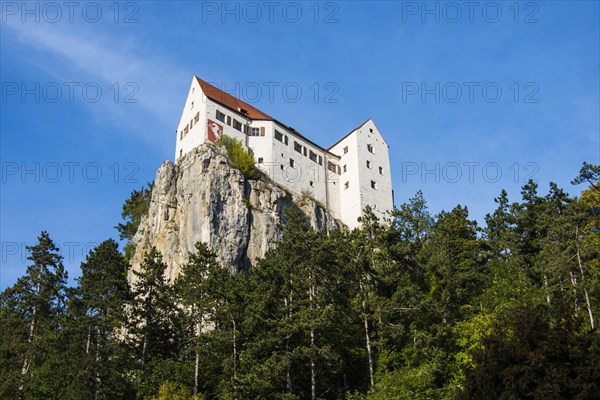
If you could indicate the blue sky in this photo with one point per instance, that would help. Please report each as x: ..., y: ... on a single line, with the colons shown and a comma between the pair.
x: 91, y: 97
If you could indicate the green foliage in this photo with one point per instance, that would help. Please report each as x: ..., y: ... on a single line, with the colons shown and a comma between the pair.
x: 527, y: 356
x: 173, y: 391
x: 590, y: 174
x: 134, y: 209
x: 240, y: 157
x: 423, y: 307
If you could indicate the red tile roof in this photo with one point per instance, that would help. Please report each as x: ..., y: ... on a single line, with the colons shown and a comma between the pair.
x: 252, y: 112
x: 231, y: 102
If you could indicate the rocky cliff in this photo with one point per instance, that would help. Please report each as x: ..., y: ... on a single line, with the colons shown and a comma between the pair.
x: 204, y: 198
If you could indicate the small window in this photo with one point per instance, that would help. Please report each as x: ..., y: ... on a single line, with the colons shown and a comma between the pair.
x: 193, y: 89
x: 255, y: 132
x: 371, y: 130
x: 285, y: 140
x: 292, y: 162
x: 192, y: 105
x: 180, y: 152
x: 298, y: 147
x: 237, y: 125
x: 332, y: 167
x: 320, y: 160
x: 345, y: 168
x: 373, y: 185
x: 220, y: 116
x: 370, y: 148
x: 368, y: 164
x: 278, y: 135
x: 304, y: 151
x: 345, y: 149
x: 312, y: 156
x: 312, y: 184
x: 346, y: 185
x: 197, y: 117
x: 281, y: 166
x: 260, y: 160
x: 229, y: 120
x: 191, y: 123
x: 380, y: 170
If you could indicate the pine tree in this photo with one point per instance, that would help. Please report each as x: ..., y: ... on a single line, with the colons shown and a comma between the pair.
x: 103, y: 292
x: 32, y: 308
x: 153, y: 325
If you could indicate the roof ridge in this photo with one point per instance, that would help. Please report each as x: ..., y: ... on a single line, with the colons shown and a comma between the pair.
x: 349, y: 133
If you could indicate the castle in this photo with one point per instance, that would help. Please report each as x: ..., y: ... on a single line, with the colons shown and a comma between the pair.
x: 346, y: 177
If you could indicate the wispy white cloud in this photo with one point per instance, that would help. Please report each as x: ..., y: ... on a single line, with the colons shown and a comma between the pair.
x: 76, y: 53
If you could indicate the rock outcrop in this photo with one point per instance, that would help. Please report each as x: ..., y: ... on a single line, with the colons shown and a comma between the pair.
x: 203, y: 198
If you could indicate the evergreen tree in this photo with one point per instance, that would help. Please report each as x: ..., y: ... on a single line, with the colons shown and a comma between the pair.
x: 99, y: 309
x: 30, y: 313
x: 152, y: 325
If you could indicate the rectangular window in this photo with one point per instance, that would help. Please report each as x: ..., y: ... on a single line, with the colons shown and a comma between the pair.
x: 292, y: 162
x: 229, y: 120
x: 298, y: 147
x: 260, y: 160
x: 186, y: 130
x: 345, y: 149
x: 320, y: 160
x: 197, y: 117
x: 312, y: 156
x: 345, y: 168
x: 346, y: 185
x: 381, y: 170
x: 368, y: 164
x: 331, y: 167
x: 370, y: 148
x: 278, y: 135
x: 285, y: 140
x: 237, y: 125
x: 255, y: 132
x: 373, y: 185
x: 220, y: 116
x: 304, y: 151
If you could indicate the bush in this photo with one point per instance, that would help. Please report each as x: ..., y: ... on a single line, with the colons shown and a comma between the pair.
x: 173, y: 391
x: 240, y: 157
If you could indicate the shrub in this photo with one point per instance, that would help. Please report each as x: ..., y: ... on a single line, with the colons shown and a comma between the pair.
x: 240, y: 157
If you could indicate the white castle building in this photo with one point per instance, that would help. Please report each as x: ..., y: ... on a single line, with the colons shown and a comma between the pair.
x: 346, y: 177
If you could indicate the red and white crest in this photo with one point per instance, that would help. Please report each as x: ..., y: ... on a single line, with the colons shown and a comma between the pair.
x: 215, y: 131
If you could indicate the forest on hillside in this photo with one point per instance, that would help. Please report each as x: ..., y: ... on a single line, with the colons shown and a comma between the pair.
x: 423, y: 307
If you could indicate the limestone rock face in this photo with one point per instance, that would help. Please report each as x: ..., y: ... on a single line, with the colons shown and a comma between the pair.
x: 203, y: 198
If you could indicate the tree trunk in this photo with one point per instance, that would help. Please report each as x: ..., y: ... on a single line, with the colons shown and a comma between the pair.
x: 196, y: 372
x: 547, y: 289
x: 288, y: 372
x: 574, y: 285
x: 98, y: 379
x: 26, y: 359
x: 234, y: 345
x: 367, y: 333
x: 313, y: 364
x: 585, y: 290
